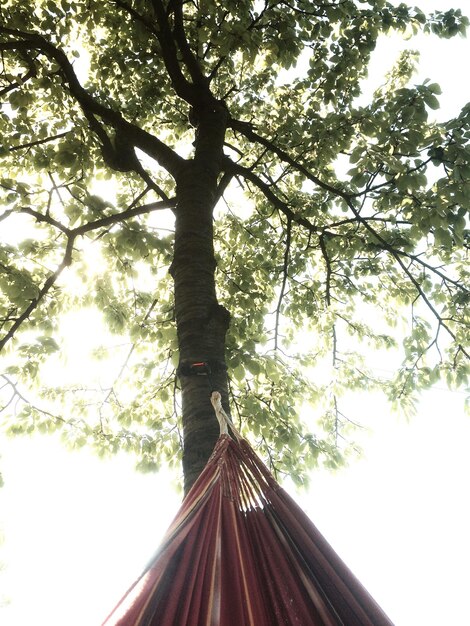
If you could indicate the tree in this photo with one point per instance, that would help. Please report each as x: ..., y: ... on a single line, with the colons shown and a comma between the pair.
x: 296, y: 208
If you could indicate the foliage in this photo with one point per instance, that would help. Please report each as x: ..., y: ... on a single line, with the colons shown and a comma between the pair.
x: 330, y: 213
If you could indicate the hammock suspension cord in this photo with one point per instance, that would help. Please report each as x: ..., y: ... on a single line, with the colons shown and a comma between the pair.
x: 224, y: 420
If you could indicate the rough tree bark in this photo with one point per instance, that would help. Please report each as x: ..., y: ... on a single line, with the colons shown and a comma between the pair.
x: 201, y: 321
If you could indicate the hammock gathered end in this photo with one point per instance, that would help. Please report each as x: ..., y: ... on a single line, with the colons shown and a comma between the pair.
x: 240, y: 552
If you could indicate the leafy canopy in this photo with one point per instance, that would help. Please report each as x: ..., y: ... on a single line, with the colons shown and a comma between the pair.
x: 333, y: 216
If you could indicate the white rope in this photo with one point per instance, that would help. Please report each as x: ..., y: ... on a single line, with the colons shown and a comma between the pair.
x: 224, y: 420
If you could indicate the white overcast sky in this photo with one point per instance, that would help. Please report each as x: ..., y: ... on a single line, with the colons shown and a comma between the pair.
x: 78, y: 530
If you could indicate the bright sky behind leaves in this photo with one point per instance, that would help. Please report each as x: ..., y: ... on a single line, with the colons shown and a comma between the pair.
x: 78, y: 530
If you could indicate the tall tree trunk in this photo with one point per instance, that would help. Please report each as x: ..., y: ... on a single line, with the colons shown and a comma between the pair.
x: 201, y: 322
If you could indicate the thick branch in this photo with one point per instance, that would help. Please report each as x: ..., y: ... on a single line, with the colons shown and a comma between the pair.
x: 135, y: 135
x: 222, y: 186
x: 244, y: 172
x: 183, y: 87
x: 125, y: 215
x: 189, y: 59
x: 247, y: 131
x: 168, y: 47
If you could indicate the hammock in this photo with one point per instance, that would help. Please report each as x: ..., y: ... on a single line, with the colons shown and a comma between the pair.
x: 240, y: 552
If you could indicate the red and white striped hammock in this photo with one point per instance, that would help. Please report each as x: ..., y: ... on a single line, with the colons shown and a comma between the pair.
x: 240, y: 552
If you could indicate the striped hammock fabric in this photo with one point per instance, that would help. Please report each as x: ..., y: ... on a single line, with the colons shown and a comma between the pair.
x: 240, y: 552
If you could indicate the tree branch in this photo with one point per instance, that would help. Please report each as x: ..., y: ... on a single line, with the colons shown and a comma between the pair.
x: 326, y: 257
x: 285, y: 268
x: 135, y: 135
x: 46, y: 219
x: 244, y: 172
x: 125, y: 215
x: 189, y: 59
x: 101, y: 222
x: 17, y: 394
x: 48, y: 284
x: 183, y: 87
x: 247, y: 131
x: 138, y: 17
x: 248, y: 174
x: 31, y: 144
x: 20, y: 80
x: 71, y: 235
x: 397, y: 255
x: 222, y: 186
x: 127, y: 358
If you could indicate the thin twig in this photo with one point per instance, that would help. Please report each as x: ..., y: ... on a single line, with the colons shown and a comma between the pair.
x: 39, y: 142
x: 20, y: 396
x: 285, y: 269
